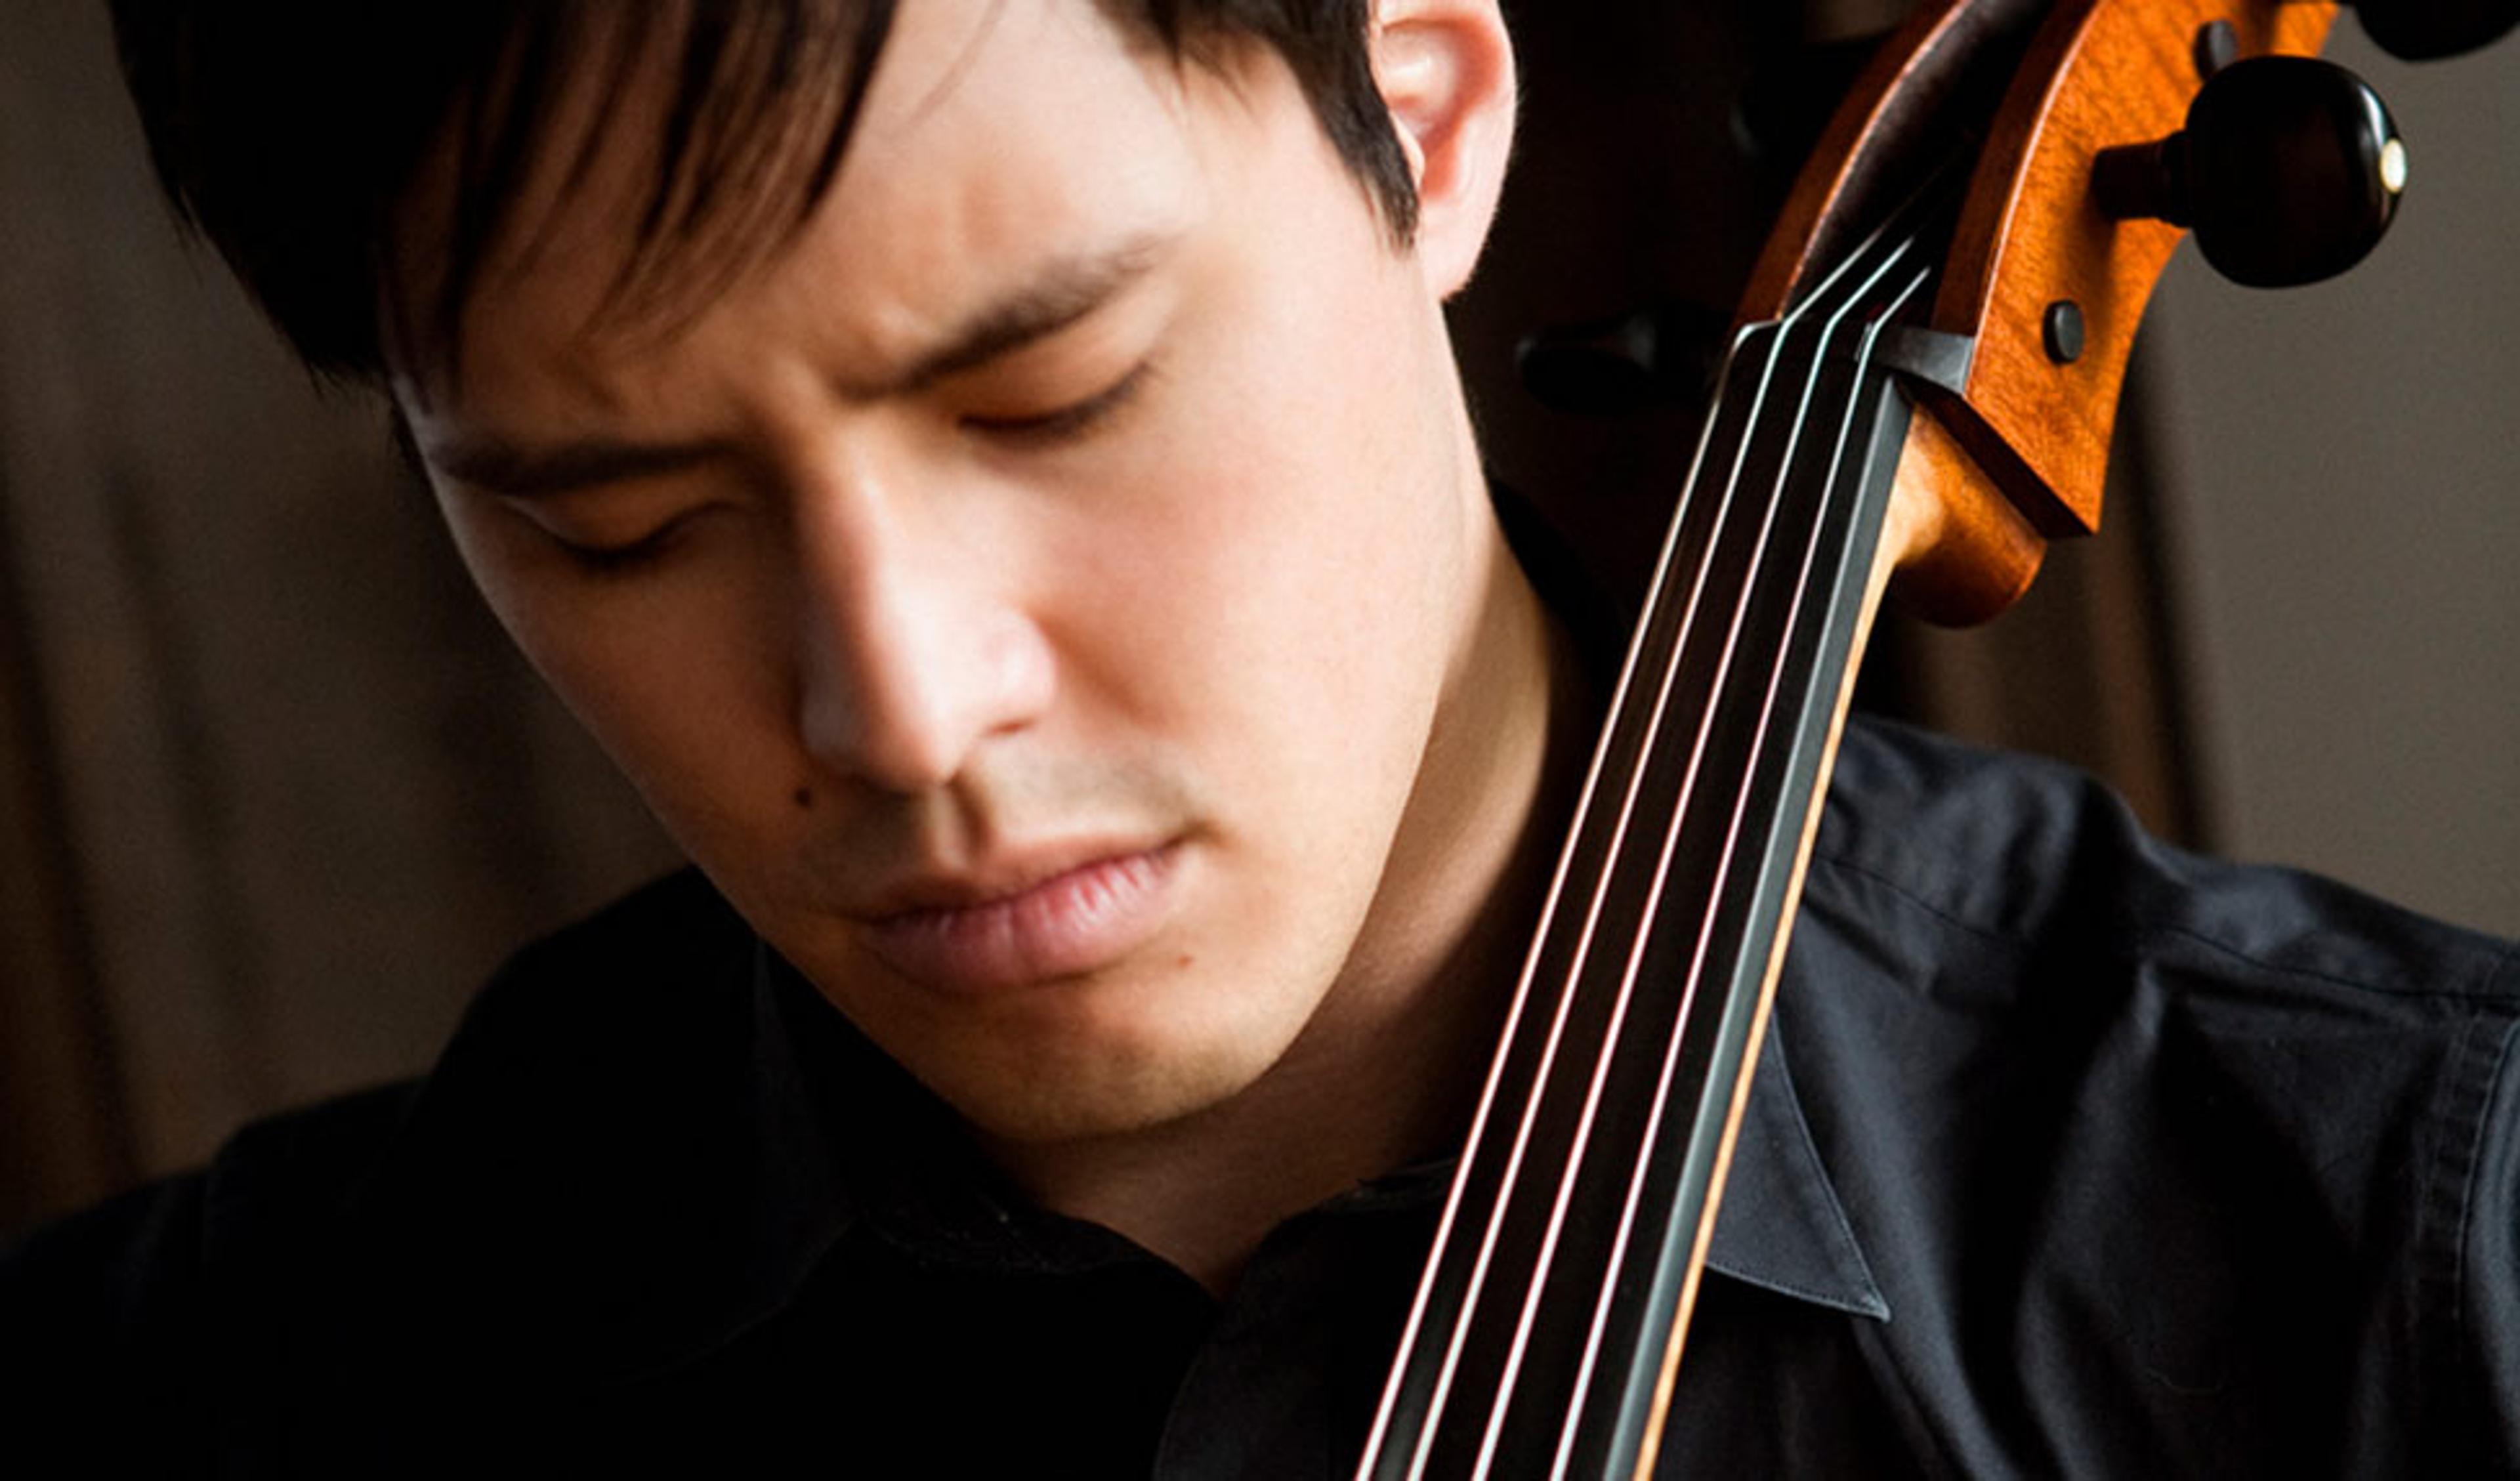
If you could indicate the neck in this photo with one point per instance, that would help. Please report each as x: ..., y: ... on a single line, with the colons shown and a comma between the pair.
x: 1388, y: 1070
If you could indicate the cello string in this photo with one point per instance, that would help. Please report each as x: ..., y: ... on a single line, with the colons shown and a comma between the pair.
x: 1659, y: 610
x: 1825, y: 333
x: 1745, y: 345
x: 1482, y: 1117
x: 1619, y: 1013
x: 1469, y: 1305
x: 1600, y: 893
x: 1759, y: 558
x: 1653, y: 896
x: 1635, y: 1184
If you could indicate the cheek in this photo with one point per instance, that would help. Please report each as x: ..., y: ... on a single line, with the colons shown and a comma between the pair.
x: 1289, y: 571
x: 669, y: 673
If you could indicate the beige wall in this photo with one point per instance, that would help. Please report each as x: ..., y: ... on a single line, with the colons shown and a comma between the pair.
x: 2344, y: 467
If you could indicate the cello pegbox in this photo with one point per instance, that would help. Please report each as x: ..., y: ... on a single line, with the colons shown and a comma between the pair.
x: 2045, y: 286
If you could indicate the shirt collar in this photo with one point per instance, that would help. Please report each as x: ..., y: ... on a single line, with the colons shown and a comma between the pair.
x: 847, y: 1138
x: 1781, y: 1227
x: 886, y: 1154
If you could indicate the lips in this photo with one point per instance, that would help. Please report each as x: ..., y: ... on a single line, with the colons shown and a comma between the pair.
x: 969, y: 937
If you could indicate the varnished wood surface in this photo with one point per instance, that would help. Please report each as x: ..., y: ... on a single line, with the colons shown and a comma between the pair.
x: 2103, y: 74
x: 2036, y: 431
x: 1967, y: 554
x: 1862, y: 150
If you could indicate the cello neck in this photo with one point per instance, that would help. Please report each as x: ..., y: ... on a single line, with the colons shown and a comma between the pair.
x: 1548, y: 1323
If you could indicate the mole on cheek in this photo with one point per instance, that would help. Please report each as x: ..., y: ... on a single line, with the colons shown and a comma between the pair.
x: 804, y: 799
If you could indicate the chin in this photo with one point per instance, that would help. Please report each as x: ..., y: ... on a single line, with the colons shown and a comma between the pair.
x: 1085, y: 1085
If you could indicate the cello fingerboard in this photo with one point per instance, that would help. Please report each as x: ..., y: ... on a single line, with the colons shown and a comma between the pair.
x: 1546, y: 1328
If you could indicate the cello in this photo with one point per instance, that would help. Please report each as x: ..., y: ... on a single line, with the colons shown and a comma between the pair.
x: 1918, y: 394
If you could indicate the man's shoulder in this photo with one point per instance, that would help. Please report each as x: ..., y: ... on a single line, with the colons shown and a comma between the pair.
x: 568, y: 1023
x: 1998, y: 932
x: 589, y: 1053
x: 590, y: 1006
x: 1997, y: 938
x: 2265, y: 1122
x: 1999, y: 854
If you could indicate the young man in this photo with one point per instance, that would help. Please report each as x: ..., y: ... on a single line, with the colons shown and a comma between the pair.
x: 994, y: 476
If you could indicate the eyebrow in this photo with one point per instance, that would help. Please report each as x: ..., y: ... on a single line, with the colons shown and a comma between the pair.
x: 1068, y: 289
x: 515, y: 471
x: 1062, y: 293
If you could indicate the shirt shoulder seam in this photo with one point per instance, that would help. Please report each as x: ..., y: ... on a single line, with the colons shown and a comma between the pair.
x: 2477, y: 1083
x: 2486, y: 992
x: 1907, y: 893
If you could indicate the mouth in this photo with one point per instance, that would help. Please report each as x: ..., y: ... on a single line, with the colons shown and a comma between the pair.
x: 977, y: 936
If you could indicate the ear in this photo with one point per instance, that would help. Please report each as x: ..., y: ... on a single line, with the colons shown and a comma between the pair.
x: 1445, y: 68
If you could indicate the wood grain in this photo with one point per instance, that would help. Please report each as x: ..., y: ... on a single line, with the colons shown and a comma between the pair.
x: 2100, y: 75
x: 2025, y: 431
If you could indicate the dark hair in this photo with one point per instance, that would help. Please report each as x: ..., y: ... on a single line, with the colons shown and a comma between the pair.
x: 291, y: 132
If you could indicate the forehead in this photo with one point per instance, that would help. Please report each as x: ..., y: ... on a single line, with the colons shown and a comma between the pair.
x: 996, y: 136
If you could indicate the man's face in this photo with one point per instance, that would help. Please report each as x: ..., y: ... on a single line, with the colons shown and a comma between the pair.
x: 1032, y: 596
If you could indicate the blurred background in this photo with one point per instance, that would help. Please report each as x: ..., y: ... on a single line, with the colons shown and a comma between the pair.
x: 275, y: 796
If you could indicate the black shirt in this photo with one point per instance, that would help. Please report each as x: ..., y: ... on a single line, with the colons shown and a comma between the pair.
x: 2069, y: 1155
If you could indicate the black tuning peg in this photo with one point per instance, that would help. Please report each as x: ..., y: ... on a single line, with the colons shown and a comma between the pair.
x: 2423, y: 31
x: 1611, y: 367
x: 2288, y: 170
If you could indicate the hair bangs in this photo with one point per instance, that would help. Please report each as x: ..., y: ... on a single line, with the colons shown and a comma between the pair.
x: 364, y: 167
x: 744, y: 114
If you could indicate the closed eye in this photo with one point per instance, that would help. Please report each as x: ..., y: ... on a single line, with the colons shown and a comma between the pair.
x: 617, y: 559
x: 1071, y: 421
x: 621, y: 558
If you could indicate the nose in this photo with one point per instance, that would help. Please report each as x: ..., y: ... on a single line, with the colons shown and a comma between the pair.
x: 910, y: 652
